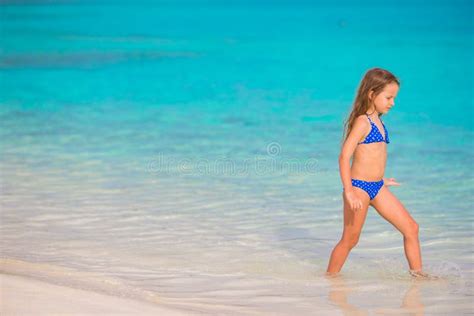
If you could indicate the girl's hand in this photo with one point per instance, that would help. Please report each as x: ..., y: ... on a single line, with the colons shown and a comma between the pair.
x: 354, y: 202
x: 390, y: 181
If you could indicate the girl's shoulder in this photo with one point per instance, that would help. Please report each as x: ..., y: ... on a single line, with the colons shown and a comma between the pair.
x: 361, y: 120
x: 361, y: 126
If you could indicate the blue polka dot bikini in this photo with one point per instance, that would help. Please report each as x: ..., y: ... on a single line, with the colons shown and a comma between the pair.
x: 372, y: 187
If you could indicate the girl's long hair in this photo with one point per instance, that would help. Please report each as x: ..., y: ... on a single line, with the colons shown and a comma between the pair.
x: 374, y: 79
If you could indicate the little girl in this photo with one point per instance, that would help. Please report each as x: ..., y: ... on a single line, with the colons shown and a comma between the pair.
x: 365, y: 139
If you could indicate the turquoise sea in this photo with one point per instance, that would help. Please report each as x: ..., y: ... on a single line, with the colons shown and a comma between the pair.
x: 187, y: 150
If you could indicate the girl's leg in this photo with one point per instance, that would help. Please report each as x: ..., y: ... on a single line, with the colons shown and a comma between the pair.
x: 390, y: 208
x: 353, y: 222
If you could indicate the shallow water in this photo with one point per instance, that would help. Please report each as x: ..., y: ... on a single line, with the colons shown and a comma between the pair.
x: 162, y: 156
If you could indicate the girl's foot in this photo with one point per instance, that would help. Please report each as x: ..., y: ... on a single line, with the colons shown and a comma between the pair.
x: 422, y: 275
x: 332, y: 274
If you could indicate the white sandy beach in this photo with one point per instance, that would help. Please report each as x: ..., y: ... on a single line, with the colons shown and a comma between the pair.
x: 26, y: 296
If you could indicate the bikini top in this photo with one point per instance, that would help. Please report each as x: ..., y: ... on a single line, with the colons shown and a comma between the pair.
x: 375, y: 136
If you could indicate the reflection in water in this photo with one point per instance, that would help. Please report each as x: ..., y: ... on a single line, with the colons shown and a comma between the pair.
x: 412, y: 300
x: 338, y: 295
x: 340, y: 290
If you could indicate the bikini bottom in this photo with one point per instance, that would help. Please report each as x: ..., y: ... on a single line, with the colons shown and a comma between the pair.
x: 371, y: 187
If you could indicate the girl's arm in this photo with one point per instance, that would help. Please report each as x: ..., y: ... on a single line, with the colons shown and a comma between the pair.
x: 358, y: 131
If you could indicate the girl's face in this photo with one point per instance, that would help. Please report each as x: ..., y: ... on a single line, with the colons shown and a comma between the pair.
x: 385, y: 99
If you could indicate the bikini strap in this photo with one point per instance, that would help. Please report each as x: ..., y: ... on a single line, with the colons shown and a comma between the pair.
x: 368, y: 118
